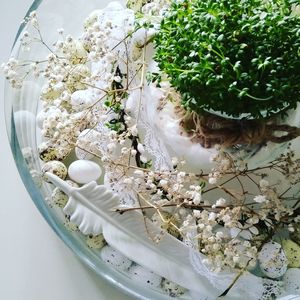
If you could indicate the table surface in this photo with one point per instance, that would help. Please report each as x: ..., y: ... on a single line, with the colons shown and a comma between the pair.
x: 34, y: 262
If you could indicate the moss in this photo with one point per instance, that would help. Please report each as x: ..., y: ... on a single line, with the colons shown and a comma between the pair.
x: 232, y: 56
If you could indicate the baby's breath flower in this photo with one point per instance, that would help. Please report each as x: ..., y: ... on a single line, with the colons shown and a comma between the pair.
x: 212, y: 180
x: 220, y: 202
x: 260, y: 199
x: 263, y: 183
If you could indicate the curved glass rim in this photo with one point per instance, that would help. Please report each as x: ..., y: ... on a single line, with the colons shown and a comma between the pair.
x: 113, y: 277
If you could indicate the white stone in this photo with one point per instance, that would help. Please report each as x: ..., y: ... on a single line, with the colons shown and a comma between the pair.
x: 291, y: 281
x: 272, y: 260
x: 84, y: 171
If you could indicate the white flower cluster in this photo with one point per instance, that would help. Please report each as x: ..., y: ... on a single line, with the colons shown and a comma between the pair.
x: 149, y: 8
x: 74, y: 92
x: 12, y: 73
x: 226, y: 246
x: 223, y: 164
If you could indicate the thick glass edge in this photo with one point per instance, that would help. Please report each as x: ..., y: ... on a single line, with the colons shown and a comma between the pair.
x: 122, y: 283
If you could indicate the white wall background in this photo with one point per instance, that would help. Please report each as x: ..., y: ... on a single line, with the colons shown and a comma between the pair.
x: 34, y: 263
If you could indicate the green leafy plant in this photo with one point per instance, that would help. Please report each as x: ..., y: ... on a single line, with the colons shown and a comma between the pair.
x: 232, y: 56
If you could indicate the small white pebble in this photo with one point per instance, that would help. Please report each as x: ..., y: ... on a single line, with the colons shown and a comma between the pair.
x: 84, y: 171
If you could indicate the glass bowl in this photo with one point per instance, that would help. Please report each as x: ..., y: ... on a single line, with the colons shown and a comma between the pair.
x: 22, y: 107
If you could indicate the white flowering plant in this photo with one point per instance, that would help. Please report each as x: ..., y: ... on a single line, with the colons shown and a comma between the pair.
x: 93, y: 106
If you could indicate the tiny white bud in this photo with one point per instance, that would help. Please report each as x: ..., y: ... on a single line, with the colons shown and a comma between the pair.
x: 141, y: 148
x: 212, y: 180
x: 163, y: 183
x: 133, y: 152
x: 139, y: 173
x: 143, y: 159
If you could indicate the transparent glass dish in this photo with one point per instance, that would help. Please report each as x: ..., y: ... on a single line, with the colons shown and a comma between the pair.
x: 21, y: 108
